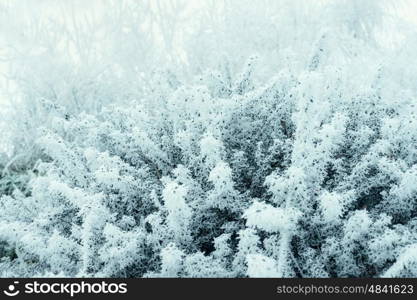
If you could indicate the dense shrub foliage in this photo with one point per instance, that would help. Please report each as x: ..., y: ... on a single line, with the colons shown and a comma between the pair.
x: 280, y: 141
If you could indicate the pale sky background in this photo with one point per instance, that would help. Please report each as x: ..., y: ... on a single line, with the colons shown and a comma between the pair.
x: 58, y: 8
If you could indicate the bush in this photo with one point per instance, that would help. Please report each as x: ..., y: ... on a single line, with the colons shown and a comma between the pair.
x: 306, y: 170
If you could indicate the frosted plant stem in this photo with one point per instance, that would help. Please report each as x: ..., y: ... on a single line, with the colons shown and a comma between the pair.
x: 283, y: 254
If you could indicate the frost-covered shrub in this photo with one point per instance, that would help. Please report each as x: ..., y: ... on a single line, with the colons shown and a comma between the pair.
x: 295, y: 158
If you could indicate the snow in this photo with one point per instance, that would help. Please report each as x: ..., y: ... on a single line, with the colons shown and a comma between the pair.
x: 227, y: 138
